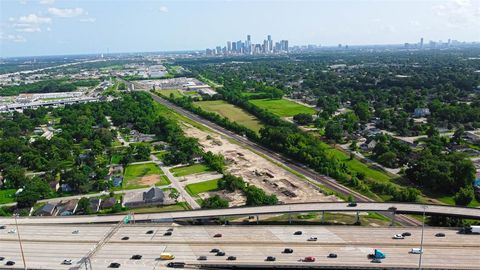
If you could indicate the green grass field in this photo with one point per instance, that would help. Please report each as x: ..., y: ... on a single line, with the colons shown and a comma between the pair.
x: 194, y: 189
x: 282, y: 107
x: 7, y: 195
x: 187, y: 170
x: 161, y: 154
x: 133, y: 173
x: 176, y: 93
x: 231, y: 112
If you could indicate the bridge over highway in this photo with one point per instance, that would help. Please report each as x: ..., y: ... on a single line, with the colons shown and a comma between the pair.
x: 396, y: 208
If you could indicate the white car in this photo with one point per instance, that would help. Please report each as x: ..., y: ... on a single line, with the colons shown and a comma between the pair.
x: 67, y: 262
x: 12, y: 231
x: 416, y: 251
x: 398, y: 236
x: 312, y: 238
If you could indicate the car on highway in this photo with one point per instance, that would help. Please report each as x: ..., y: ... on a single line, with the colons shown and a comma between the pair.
x: 220, y: 253
x: 231, y: 258
x: 202, y: 258
x: 416, y: 251
x: 67, y: 262
x: 332, y: 255
x: 170, y: 230
x: 217, y: 235
x: 214, y: 250
x: 75, y: 232
x: 270, y: 259
x: 167, y: 234
x: 376, y: 261
x: 136, y: 257
x: 2, y: 227
x: 406, y: 234
x: 2, y: 258
x: 176, y: 264
x: 166, y: 256
x: 288, y: 250
x: 352, y: 204
x: 114, y: 265
x: 149, y: 232
x: 10, y: 263
x: 125, y: 238
x: 298, y: 233
x: 440, y: 235
x: 312, y: 238
x: 398, y: 236
x: 309, y: 259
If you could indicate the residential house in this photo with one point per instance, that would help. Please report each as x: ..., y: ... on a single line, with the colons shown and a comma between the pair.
x: 152, y: 196
x: 94, y: 204
x: 67, y: 208
x: 48, y: 209
x: 108, y: 203
x: 421, y: 112
x: 54, y: 185
x: 117, y: 180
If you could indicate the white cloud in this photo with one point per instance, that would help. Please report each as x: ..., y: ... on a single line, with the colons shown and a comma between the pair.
x: 13, y: 38
x: 163, y: 9
x: 88, y: 20
x: 30, y: 23
x: 23, y: 2
x: 47, y: 2
x: 66, y: 12
x: 458, y: 13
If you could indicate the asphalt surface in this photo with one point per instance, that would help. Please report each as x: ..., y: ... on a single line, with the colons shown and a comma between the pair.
x: 312, y: 175
x: 45, y: 247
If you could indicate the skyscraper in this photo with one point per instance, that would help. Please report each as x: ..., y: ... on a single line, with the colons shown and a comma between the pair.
x: 421, y: 42
x: 229, y: 46
x: 270, y: 43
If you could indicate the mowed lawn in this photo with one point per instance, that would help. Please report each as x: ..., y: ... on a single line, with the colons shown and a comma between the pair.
x: 194, y: 189
x: 134, y: 173
x: 7, y: 195
x: 231, y: 112
x: 176, y: 93
x: 187, y: 170
x: 282, y: 107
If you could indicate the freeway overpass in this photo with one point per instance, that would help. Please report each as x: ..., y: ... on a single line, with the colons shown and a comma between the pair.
x: 397, y: 208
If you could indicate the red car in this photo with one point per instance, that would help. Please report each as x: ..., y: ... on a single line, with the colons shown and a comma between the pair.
x: 217, y: 235
x: 309, y: 259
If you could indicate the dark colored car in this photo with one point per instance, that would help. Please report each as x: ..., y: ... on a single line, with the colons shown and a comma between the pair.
x: 10, y: 263
x: 176, y: 264
x: 220, y: 253
x: 217, y: 235
x: 170, y: 230
x: 167, y: 234
x: 125, y: 238
x: 2, y: 258
x: 2, y: 227
x: 298, y: 233
x: 149, y: 232
x: 406, y: 234
x: 352, y: 204
x: 332, y: 255
x: 114, y: 265
x: 309, y: 259
x: 376, y: 261
x: 232, y: 258
x: 440, y: 234
x: 288, y: 250
x: 392, y: 208
x: 202, y: 258
x: 136, y: 257
x: 215, y: 250
x: 270, y: 259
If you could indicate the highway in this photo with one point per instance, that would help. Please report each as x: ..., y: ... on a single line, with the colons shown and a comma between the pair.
x: 293, y: 165
x: 401, y: 208
x: 45, y: 247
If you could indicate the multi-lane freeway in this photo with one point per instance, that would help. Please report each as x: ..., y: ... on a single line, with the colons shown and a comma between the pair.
x: 293, y: 165
x: 45, y: 247
x: 401, y: 208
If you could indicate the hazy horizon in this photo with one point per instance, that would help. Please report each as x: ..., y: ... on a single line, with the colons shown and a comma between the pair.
x: 61, y: 27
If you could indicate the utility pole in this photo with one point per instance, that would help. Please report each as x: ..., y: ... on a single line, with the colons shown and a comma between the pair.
x: 20, y: 241
x: 421, y: 241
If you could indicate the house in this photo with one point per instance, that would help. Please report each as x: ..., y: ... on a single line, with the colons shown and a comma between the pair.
x: 369, y: 146
x: 421, y: 112
x: 116, y: 169
x: 66, y: 188
x: 108, y: 203
x: 54, y: 185
x: 471, y: 137
x: 152, y: 196
x: 67, y: 208
x: 117, y: 180
x: 48, y: 209
x: 94, y: 204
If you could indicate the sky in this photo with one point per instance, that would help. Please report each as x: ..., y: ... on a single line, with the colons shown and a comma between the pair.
x: 61, y: 27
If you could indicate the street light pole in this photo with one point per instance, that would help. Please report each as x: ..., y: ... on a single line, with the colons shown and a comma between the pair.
x: 20, y: 242
x: 421, y: 241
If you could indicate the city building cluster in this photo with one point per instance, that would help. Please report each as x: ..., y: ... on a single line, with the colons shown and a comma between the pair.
x: 248, y: 48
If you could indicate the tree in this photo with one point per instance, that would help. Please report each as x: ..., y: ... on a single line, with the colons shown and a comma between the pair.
x: 303, y: 118
x: 464, y: 196
x: 214, y: 202
x: 334, y: 131
x: 362, y: 111
x: 84, y: 206
x: 353, y: 146
x: 214, y: 162
x: 388, y: 159
x: 457, y: 136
